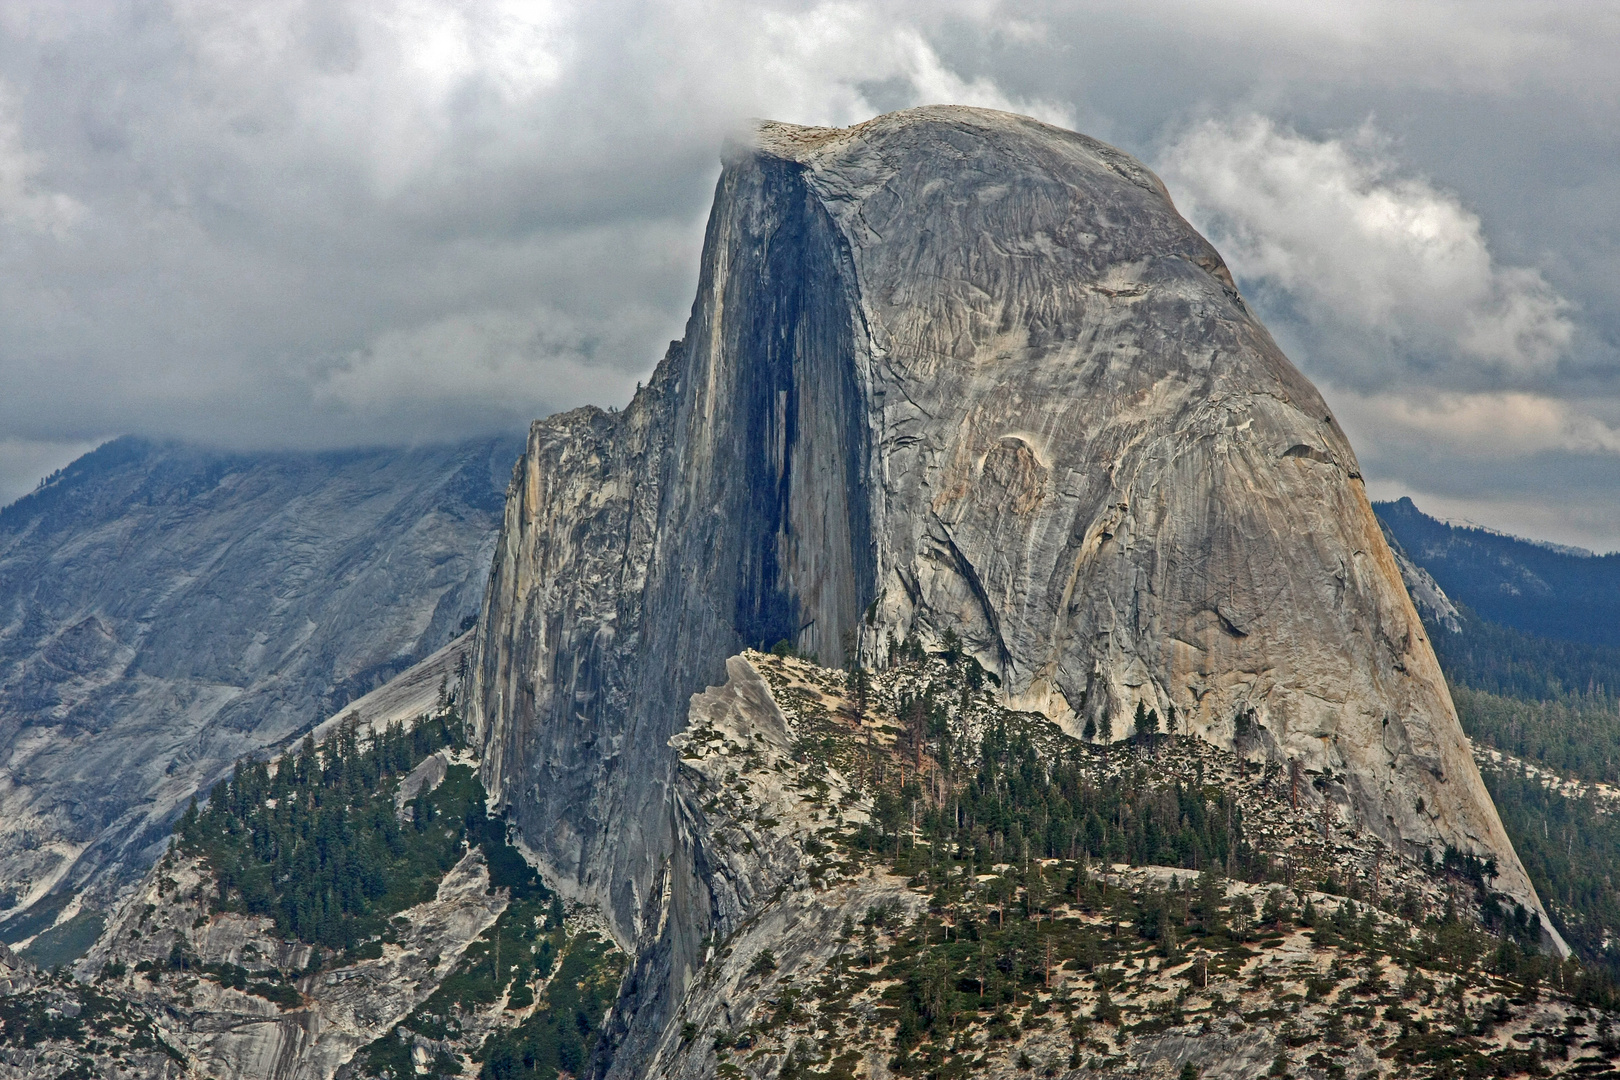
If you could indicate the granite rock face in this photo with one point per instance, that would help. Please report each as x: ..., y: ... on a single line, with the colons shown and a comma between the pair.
x: 165, y: 610
x: 1427, y: 596
x: 956, y: 370
x: 233, y: 1034
x: 742, y: 876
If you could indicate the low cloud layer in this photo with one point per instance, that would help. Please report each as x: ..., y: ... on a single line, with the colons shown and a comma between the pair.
x: 1493, y: 426
x: 289, y: 223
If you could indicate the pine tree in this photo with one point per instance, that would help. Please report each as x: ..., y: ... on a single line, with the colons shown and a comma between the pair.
x: 1106, y: 1012
x: 858, y: 683
x: 1207, y: 905
x: 188, y: 823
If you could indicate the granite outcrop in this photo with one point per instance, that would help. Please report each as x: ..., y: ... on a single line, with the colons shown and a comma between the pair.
x: 166, y: 609
x: 954, y: 374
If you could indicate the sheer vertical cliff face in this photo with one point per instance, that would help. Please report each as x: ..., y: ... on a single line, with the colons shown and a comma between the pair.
x: 957, y: 370
x: 727, y: 506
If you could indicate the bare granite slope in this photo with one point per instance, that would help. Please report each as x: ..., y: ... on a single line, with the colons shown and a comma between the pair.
x: 955, y: 370
x: 166, y: 609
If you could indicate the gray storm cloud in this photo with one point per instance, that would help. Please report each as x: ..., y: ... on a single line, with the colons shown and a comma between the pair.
x: 314, y: 224
x: 307, y: 224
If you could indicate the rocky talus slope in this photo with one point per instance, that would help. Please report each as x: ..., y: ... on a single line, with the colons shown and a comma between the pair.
x: 165, y: 610
x: 875, y: 907
x: 247, y: 954
x: 952, y: 372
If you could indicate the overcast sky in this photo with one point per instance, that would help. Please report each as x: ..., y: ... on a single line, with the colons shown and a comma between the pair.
x: 326, y: 223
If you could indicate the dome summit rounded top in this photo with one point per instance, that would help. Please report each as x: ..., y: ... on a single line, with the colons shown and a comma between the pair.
x: 924, y: 125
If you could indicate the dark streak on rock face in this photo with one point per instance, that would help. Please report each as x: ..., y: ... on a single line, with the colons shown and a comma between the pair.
x: 726, y: 507
x: 778, y: 376
x: 976, y: 373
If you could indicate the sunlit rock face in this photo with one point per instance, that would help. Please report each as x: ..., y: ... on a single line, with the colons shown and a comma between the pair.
x: 959, y: 370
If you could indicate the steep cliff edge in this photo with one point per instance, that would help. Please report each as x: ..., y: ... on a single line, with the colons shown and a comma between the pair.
x: 955, y: 371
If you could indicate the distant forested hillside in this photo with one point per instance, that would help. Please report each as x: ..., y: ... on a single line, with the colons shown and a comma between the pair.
x: 1538, y: 588
x: 1501, y: 660
x: 1535, y: 673
x: 1549, y: 700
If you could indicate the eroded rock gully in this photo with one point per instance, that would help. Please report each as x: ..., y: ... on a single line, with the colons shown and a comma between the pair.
x: 951, y: 370
x: 225, y: 1032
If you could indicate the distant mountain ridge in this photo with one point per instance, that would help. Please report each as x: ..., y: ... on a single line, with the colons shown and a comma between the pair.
x: 1539, y: 588
x: 1532, y: 689
x: 166, y: 609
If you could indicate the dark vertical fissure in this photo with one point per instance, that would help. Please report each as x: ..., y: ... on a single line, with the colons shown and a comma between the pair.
x: 765, y: 513
x: 768, y: 392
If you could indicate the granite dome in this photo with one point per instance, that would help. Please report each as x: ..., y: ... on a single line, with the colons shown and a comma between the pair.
x: 958, y: 370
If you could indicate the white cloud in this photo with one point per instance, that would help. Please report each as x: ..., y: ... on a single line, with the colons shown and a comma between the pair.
x: 520, y: 363
x: 822, y: 57
x: 1498, y: 425
x: 1387, y: 274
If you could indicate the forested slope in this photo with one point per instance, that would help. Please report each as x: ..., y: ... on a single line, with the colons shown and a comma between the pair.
x: 350, y: 909
x: 1549, y: 700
